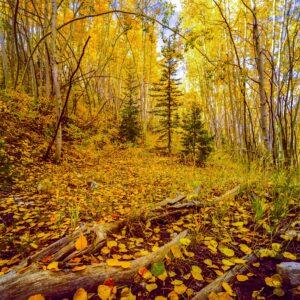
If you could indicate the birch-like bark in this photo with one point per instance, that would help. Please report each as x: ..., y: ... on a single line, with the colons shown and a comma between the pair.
x: 56, y: 85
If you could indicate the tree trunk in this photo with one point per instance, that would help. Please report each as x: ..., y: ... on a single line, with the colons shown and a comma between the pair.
x: 55, y: 78
x: 261, y: 81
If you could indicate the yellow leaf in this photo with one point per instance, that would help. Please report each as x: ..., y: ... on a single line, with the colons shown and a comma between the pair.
x: 80, y: 294
x: 104, y: 292
x: 226, y: 251
x: 150, y: 287
x: 163, y: 276
x: 53, y: 266
x: 111, y: 244
x: 289, y: 255
x: 227, y: 262
x: 273, y: 281
x: 245, y: 249
x: 176, y: 252
x: 78, y: 268
x: 161, y: 298
x: 180, y: 289
x: 238, y: 224
x: 276, y: 247
x: 127, y: 295
x: 242, y: 277
x: 185, y: 241
x: 196, y: 273
x: 36, y: 297
x: 34, y: 245
x: 266, y: 253
x: 105, y: 250
x: 227, y: 288
x: 279, y: 292
x: 238, y: 260
x: 173, y: 296
x: 117, y: 263
x: 177, y: 282
x: 208, y: 262
x: 81, y: 243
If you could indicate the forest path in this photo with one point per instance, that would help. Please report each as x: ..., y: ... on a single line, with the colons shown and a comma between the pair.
x: 114, y: 185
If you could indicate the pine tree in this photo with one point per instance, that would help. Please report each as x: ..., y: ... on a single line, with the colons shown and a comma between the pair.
x: 130, y: 128
x: 167, y: 93
x: 196, y: 140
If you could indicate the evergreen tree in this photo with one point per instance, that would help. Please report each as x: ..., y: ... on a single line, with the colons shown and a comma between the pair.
x: 130, y: 128
x: 196, y: 140
x: 167, y: 93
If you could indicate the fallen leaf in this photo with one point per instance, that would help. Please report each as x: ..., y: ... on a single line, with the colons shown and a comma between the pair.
x: 80, y: 294
x: 151, y: 287
x: 36, y: 297
x: 78, y: 268
x: 180, y: 289
x: 245, y: 249
x: 53, y: 266
x: 289, y: 255
x: 117, y: 263
x: 81, y: 243
x: 226, y: 251
x: 111, y: 244
x: 185, y: 241
x: 196, y: 273
x: 242, y: 277
x: 227, y: 288
x: 279, y: 292
x: 104, y: 292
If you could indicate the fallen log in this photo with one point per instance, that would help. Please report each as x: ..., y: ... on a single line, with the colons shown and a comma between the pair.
x: 61, y: 284
x: 194, y: 204
x: 66, y: 245
x: 229, y: 277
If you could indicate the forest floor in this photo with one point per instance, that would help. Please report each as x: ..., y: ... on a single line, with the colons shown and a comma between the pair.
x: 44, y: 202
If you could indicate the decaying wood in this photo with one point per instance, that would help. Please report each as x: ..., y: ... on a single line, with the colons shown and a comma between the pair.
x: 63, y: 284
x: 170, y: 201
x: 216, y: 285
x: 196, y: 203
x: 66, y: 245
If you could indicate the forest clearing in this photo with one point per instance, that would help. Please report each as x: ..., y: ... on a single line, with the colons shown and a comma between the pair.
x: 149, y: 149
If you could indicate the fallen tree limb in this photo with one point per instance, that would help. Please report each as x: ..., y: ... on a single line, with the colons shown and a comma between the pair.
x: 63, y: 284
x: 231, y: 193
x: 216, y: 285
x: 66, y: 245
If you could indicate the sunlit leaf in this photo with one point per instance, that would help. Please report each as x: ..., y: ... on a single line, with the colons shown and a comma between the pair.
x: 81, y: 243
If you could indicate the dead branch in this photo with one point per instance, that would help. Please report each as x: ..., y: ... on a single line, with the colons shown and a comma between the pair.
x: 63, y: 284
x: 216, y: 285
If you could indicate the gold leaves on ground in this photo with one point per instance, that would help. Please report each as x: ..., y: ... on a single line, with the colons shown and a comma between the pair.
x: 81, y: 243
x: 37, y: 297
x: 80, y: 294
x: 242, y: 277
x: 244, y: 248
x: 226, y: 251
x: 273, y: 281
x: 151, y: 287
x: 117, y: 263
x: 289, y: 255
x: 196, y: 273
x: 53, y: 266
x: 227, y: 288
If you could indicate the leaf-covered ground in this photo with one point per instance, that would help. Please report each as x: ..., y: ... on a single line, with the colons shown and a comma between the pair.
x: 48, y: 201
x: 42, y: 202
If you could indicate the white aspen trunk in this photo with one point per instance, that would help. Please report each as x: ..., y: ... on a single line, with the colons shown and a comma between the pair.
x: 56, y: 86
x: 261, y: 78
x: 46, y: 60
x: 4, y: 59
